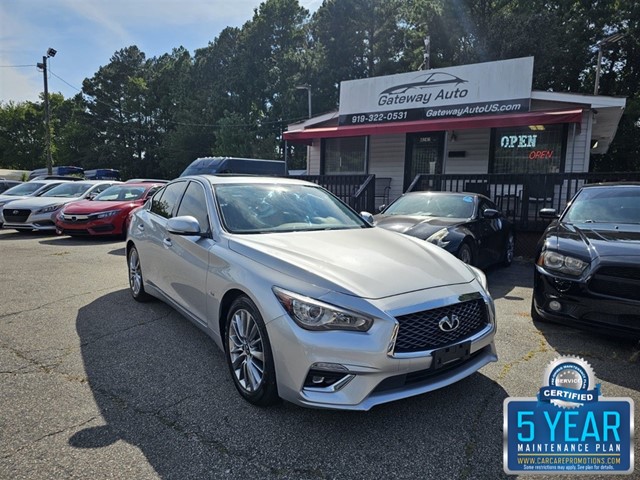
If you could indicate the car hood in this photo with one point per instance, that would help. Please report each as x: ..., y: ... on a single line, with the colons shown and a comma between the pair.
x: 89, y: 206
x: 420, y: 227
x: 11, y: 198
x: 594, y: 240
x: 369, y: 263
x: 32, y: 203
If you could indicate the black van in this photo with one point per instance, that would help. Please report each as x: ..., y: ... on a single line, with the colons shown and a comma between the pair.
x: 252, y: 166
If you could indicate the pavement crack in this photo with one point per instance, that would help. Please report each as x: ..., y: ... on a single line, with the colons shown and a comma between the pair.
x: 48, y: 435
x: 542, y: 347
x: 58, y: 300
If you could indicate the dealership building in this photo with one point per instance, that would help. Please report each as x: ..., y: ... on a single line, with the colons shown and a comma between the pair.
x: 480, y: 119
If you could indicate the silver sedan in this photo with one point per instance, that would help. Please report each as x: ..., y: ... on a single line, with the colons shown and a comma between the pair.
x: 309, y: 302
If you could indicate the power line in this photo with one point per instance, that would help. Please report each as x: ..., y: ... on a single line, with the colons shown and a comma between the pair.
x: 17, y: 66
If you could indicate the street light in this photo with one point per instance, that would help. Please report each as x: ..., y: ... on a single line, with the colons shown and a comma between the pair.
x: 308, y: 89
x: 51, y: 52
x: 606, y: 41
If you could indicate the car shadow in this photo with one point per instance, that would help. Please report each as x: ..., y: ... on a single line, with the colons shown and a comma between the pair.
x: 81, y: 241
x: 503, y: 280
x: 614, y: 359
x: 8, y: 234
x: 162, y: 385
x: 121, y: 252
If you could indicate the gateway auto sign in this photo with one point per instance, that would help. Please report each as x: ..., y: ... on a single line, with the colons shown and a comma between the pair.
x: 468, y: 90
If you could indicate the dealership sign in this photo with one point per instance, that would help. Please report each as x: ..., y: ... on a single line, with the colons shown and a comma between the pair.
x: 467, y: 90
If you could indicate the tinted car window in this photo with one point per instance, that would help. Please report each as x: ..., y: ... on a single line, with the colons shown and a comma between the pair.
x: 194, y: 203
x: 164, y: 202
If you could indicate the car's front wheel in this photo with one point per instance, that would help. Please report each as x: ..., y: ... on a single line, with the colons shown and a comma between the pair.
x: 136, y: 283
x: 509, y: 250
x: 465, y: 253
x: 248, y: 353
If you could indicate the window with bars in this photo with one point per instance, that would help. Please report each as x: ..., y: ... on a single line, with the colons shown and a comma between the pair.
x: 345, y: 155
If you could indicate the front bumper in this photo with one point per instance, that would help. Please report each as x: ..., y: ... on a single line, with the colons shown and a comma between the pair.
x: 581, y: 307
x: 369, y: 373
x: 84, y: 226
x: 35, y: 221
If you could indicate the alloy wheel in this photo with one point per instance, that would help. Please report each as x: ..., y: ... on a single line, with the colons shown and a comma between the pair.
x: 246, y: 351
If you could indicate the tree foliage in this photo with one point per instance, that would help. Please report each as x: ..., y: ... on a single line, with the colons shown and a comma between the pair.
x: 153, y: 116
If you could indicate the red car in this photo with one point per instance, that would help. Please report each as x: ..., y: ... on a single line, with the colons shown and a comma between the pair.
x: 105, y: 214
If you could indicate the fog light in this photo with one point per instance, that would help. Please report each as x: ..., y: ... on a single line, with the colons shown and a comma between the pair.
x: 555, y: 305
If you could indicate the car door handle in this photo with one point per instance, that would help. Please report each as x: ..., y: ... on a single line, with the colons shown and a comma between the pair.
x: 167, y: 242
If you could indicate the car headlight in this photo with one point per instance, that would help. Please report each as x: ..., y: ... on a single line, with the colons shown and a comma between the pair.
x: 108, y: 214
x: 439, y: 238
x: 562, y: 263
x: 50, y: 208
x: 480, y: 276
x: 312, y: 314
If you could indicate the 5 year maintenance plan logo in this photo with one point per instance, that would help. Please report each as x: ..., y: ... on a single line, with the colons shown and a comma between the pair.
x: 569, y: 427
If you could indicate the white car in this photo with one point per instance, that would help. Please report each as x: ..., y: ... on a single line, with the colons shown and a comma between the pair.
x: 38, y: 213
x: 309, y: 302
x: 33, y: 188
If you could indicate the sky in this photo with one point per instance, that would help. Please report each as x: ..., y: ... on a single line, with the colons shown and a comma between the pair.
x: 86, y: 34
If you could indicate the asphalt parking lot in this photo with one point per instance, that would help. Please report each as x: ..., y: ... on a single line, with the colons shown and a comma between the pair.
x: 95, y: 385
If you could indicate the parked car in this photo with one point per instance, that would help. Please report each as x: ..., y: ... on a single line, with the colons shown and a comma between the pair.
x: 38, y: 213
x: 309, y: 302
x: 468, y: 225
x: 33, y: 188
x: 7, y: 184
x: 146, y: 180
x: 107, y: 213
x: 226, y: 165
x: 587, y: 270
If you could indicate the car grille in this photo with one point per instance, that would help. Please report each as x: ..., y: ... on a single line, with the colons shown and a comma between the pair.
x: 75, y: 218
x: 620, y: 282
x: 12, y: 215
x: 421, y: 331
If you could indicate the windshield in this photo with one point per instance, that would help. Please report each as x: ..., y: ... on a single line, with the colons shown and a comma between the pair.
x: 121, y: 193
x: 264, y: 208
x: 23, y: 189
x: 619, y: 204
x: 432, y: 205
x: 68, y: 190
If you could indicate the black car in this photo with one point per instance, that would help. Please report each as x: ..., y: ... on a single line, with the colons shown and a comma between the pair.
x: 587, y: 269
x: 466, y: 224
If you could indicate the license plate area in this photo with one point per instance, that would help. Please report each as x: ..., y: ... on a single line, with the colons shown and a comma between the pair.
x: 452, y: 354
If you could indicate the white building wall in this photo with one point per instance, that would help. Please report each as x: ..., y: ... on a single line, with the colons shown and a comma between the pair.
x: 313, y: 162
x: 475, y: 145
x: 386, y: 159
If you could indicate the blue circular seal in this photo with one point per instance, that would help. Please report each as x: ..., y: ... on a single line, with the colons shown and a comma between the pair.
x: 569, y: 382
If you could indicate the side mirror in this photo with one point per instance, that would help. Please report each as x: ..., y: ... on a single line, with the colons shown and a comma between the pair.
x: 549, y: 213
x: 185, y: 225
x: 92, y: 196
x: 491, y: 213
x: 367, y: 217
x: 381, y: 208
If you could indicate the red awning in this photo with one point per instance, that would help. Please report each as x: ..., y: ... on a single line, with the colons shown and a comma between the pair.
x: 486, y: 121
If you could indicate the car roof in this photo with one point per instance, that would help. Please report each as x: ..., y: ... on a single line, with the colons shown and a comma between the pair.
x: 230, y: 178
x: 611, y: 184
x: 140, y: 184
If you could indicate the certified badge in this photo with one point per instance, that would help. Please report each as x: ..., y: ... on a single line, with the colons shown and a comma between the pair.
x: 569, y: 382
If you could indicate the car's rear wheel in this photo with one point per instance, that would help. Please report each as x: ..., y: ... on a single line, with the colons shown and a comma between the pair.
x: 136, y: 283
x: 509, y: 250
x: 248, y: 353
x: 465, y: 253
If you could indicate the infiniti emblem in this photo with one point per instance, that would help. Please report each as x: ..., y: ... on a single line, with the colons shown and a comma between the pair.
x: 15, y: 212
x: 447, y: 324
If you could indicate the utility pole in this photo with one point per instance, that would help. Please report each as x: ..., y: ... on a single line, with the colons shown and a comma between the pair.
x: 427, y: 53
x: 607, y: 41
x: 47, y: 135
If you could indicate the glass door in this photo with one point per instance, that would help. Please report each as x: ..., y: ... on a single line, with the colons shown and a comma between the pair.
x: 423, y: 155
